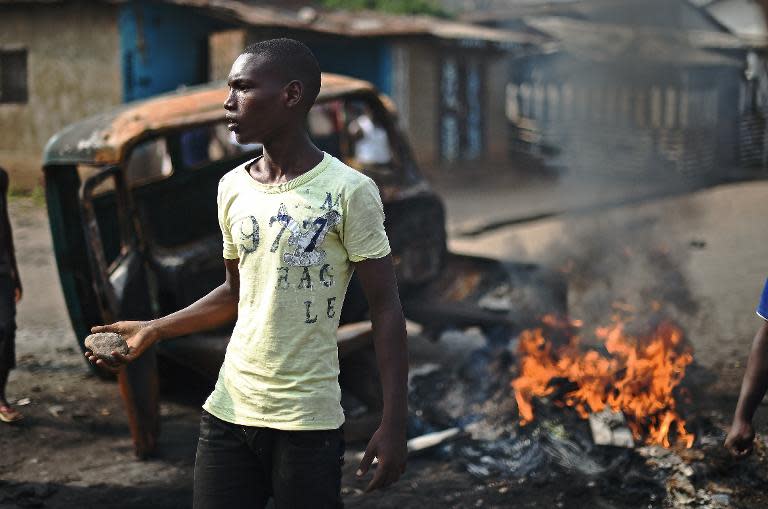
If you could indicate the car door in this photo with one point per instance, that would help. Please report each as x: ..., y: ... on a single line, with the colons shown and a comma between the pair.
x: 121, y: 282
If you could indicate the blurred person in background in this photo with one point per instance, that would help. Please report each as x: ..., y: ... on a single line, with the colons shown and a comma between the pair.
x: 10, y: 295
x: 371, y: 140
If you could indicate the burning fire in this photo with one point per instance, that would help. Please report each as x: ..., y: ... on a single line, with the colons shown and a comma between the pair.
x: 638, y: 377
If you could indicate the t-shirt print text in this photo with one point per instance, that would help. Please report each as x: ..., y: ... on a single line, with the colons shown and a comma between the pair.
x: 303, y: 260
x: 305, y: 236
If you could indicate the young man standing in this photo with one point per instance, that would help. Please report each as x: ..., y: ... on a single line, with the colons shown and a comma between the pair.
x: 741, y: 436
x: 10, y: 295
x: 296, y: 222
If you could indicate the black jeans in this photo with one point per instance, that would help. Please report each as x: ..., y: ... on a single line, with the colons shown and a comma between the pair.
x: 242, y: 466
x: 7, y: 323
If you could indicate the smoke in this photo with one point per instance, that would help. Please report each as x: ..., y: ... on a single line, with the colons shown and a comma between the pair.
x: 628, y: 108
x: 630, y: 263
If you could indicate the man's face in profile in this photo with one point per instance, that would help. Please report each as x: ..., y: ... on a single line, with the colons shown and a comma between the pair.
x: 256, y: 104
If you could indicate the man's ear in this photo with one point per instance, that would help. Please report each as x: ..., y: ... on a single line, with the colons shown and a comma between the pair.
x: 294, y: 92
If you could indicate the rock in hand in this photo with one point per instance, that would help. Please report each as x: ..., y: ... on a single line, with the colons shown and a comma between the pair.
x: 103, y: 344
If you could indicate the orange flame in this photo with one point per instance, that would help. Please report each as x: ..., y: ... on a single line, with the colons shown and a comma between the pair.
x: 637, y: 379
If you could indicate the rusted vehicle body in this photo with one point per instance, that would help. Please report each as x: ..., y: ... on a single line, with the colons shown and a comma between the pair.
x: 131, y: 199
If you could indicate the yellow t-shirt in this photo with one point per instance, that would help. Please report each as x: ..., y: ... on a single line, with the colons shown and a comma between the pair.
x: 295, y: 243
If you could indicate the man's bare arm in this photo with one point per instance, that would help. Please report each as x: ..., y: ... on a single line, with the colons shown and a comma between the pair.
x: 217, y: 308
x: 389, y: 337
x: 753, y: 387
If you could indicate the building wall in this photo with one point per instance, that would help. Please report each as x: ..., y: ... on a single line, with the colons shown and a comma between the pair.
x: 365, y: 59
x: 417, y: 91
x: 73, y: 72
x: 496, y: 127
x: 224, y: 48
x: 408, y: 70
x: 401, y: 84
x: 423, y: 88
x: 369, y: 60
x: 661, y: 13
x: 163, y: 47
x: 647, y: 121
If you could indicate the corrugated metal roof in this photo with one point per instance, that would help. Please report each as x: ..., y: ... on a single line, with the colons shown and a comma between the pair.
x: 359, y: 23
x: 351, y: 24
x: 743, y: 18
x: 527, y: 8
x: 604, y: 42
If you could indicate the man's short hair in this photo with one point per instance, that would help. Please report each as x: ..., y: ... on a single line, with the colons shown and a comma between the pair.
x: 294, y: 60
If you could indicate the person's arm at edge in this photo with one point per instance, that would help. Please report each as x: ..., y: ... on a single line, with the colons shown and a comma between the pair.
x: 753, y: 387
x: 388, y: 444
x: 217, y: 308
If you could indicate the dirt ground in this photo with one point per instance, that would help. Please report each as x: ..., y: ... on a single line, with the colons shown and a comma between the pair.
x: 73, y: 448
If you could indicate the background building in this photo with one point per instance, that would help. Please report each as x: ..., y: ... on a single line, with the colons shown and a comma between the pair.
x: 635, y: 89
x: 61, y: 61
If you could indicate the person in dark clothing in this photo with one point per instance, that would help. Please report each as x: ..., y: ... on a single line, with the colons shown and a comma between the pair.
x: 10, y: 295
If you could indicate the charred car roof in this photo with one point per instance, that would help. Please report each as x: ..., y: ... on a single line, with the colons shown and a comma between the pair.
x: 104, y: 138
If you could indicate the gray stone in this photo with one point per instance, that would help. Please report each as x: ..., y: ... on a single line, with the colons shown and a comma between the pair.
x: 721, y: 500
x: 103, y: 344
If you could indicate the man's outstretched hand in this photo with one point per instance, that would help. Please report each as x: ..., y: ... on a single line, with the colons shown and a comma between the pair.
x: 389, y: 446
x: 139, y: 336
x: 740, y: 439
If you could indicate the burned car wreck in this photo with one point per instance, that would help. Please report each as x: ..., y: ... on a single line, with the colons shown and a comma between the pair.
x: 131, y: 197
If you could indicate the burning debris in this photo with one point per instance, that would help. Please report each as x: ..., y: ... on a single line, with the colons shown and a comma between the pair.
x: 557, y: 455
x: 635, y: 375
x: 611, y: 416
x: 610, y: 428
